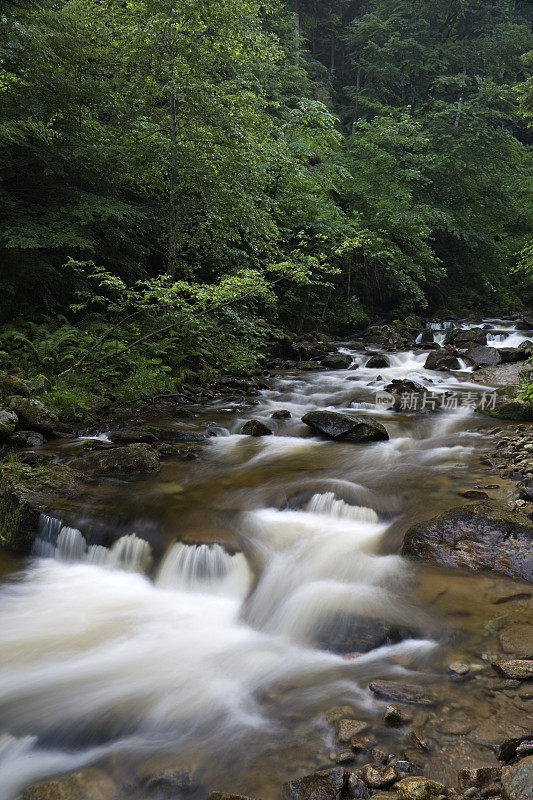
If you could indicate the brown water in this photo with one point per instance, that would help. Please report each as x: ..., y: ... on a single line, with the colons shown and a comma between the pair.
x: 217, y: 647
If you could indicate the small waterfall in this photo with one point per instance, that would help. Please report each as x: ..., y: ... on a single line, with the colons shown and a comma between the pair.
x: 329, y: 504
x: 55, y: 540
x: 204, y: 568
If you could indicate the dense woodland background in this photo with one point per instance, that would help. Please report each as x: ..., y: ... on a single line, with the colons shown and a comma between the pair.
x: 181, y: 179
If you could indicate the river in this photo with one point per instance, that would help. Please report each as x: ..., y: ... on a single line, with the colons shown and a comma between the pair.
x: 214, y: 634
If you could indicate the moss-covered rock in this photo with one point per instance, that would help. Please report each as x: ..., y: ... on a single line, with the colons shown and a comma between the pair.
x: 27, y: 490
x: 8, y: 422
x: 483, y: 536
x: 514, y: 408
x: 90, y: 784
x: 308, y: 366
x: 254, y: 427
x: 11, y: 385
x: 134, y: 459
x: 34, y: 414
x: 378, y: 361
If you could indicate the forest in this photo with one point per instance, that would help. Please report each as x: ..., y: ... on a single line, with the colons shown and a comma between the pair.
x: 182, y: 182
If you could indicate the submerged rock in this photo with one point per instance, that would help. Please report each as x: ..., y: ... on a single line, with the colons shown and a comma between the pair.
x: 254, y: 427
x: 34, y: 414
x: 345, y: 427
x: 326, y: 785
x: 120, y: 461
x: 517, y: 639
x: 91, y: 784
x: 281, y: 413
x: 481, y: 536
x: 346, y: 729
x: 441, y: 359
x: 8, y: 422
x: 520, y: 669
x: 402, y: 693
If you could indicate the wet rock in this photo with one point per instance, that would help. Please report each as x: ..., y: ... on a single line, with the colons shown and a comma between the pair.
x: 170, y: 783
x: 478, y: 776
x: 517, y: 669
x: 395, y: 716
x: 377, y: 362
x: 91, y: 784
x: 346, y: 729
x: 517, y: 639
x: 402, y: 693
x: 227, y: 796
x: 345, y: 427
x: 254, y: 427
x: 426, y: 336
x: 510, y: 355
x: 483, y: 536
x: 282, y: 413
x: 458, y: 668
x: 8, y: 422
x: 34, y: 414
x: 337, y: 361
x: 376, y: 777
x: 353, y: 633
x: 441, y: 359
x: 418, y: 788
x: 472, y: 494
x: 26, y: 439
x: 176, y: 435
x: 11, y: 385
x: 326, y: 785
x: 517, y: 780
x: 337, y: 712
x: 132, y: 437
x: 308, y: 366
x: 461, y: 338
x: 513, y: 749
x: 510, y: 408
x: 133, y: 459
x: 419, y: 740
x: 483, y: 356
x: 404, y: 386
x: 355, y: 787
x: 345, y: 757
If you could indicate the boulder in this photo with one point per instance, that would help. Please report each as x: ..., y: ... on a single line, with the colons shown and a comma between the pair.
x: 254, y: 427
x: 345, y: 427
x: 520, y: 669
x: 8, y: 422
x: 132, y: 437
x: 483, y: 356
x: 441, y: 359
x: 91, y: 784
x: 419, y: 788
x: 355, y: 787
x: 517, y: 409
x: 26, y: 439
x: 510, y: 355
x: 133, y: 459
x: 337, y: 361
x: 407, y: 693
x: 426, y: 336
x: 463, y: 338
x: 482, y: 536
x: 282, y: 413
x: 512, y: 750
x: 355, y: 633
x: 308, y: 366
x: 517, y: 639
x: 326, y: 785
x: 378, y: 361
x: 34, y: 414
x: 11, y: 385
x: 517, y: 780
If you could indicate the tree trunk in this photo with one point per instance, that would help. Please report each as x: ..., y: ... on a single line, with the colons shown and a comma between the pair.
x: 297, y: 30
x: 304, y: 308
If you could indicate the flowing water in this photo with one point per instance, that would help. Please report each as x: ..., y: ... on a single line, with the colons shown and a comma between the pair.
x: 203, y: 619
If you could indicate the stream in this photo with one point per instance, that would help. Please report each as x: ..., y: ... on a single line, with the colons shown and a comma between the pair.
x: 205, y: 623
